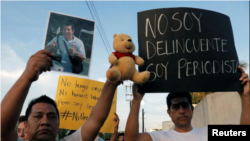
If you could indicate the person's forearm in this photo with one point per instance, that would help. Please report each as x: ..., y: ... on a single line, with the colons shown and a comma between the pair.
x: 113, y: 137
x: 132, y: 127
x: 99, y: 113
x: 12, y: 104
x: 245, y: 111
x: 103, y: 105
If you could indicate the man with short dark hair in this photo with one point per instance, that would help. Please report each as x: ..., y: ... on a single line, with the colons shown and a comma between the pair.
x: 121, y: 137
x: 21, y: 128
x: 180, y: 110
x: 42, y: 114
x: 71, y: 49
x: 35, y: 112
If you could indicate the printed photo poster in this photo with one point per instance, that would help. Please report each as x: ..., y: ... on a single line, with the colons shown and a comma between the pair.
x: 76, y: 97
x: 188, y: 50
x: 70, y: 39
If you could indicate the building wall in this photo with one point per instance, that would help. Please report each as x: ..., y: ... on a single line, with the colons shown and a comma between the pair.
x: 217, y: 108
x: 152, y: 130
x: 166, y: 125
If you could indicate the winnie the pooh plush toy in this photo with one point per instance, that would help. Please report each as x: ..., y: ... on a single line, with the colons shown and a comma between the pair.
x: 123, y: 62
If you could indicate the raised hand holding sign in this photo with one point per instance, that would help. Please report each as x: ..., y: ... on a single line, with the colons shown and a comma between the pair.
x: 187, y: 49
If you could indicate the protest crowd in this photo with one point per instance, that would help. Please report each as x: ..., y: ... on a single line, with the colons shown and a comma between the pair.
x: 42, y: 117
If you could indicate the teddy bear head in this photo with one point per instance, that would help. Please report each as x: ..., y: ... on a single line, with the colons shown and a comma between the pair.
x: 123, y: 43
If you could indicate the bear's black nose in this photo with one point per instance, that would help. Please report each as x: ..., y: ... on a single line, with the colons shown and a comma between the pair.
x: 129, y: 40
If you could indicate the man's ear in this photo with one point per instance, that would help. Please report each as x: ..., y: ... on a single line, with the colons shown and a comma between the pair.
x: 168, y: 112
x: 25, y: 124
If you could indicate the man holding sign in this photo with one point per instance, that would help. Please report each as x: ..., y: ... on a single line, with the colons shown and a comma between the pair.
x: 180, y: 110
x: 185, y: 50
x: 42, y: 114
x: 183, y: 44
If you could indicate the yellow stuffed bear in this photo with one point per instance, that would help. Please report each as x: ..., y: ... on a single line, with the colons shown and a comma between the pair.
x: 123, y: 62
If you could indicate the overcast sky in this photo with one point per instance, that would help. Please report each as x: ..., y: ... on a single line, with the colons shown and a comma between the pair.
x: 23, y: 29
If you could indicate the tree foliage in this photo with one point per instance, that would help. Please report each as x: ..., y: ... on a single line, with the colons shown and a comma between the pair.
x: 62, y: 133
x: 198, y: 96
x: 244, y: 64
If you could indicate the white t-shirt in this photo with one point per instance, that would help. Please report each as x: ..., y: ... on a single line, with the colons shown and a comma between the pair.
x: 196, y: 134
x: 76, y: 136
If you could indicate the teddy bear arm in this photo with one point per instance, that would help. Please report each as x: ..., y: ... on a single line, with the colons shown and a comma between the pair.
x: 112, y: 59
x: 139, y: 61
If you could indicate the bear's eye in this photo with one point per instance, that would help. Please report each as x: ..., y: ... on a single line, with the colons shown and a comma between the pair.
x: 122, y: 39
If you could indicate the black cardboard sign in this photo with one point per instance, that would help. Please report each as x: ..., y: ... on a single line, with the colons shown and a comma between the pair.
x: 187, y: 49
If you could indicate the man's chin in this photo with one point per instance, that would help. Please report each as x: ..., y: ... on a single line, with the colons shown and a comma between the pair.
x: 183, y: 123
x: 45, y: 137
x: 22, y: 138
x: 67, y: 37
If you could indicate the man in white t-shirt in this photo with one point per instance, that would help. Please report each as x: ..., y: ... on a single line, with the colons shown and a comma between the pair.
x: 42, y: 115
x: 180, y: 110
